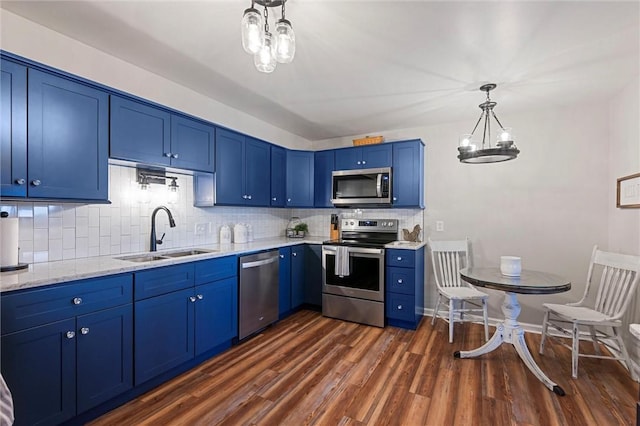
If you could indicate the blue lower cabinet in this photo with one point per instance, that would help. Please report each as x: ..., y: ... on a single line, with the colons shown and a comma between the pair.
x: 297, y: 276
x: 216, y: 316
x: 164, y: 333
x: 404, y: 284
x: 284, y: 282
x: 104, y: 355
x: 39, y: 366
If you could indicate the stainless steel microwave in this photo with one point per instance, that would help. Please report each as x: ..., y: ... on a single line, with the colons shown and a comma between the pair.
x: 363, y: 187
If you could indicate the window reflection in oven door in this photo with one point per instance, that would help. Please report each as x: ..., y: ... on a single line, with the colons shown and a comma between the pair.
x: 366, y: 273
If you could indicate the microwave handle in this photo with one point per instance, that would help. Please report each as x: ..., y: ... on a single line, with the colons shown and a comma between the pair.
x: 379, y: 185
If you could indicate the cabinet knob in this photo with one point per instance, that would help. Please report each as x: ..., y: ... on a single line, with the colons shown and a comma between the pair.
x: 395, y: 198
x: 364, y: 162
x: 174, y: 155
x: 249, y: 197
x: 192, y: 298
x: 282, y: 256
x: 200, y: 296
x: 359, y: 162
x: 167, y: 154
x: 71, y: 334
x: 36, y: 182
x: 244, y: 196
x: 399, y: 258
x: 399, y: 307
x: 84, y: 330
x: 77, y: 300
x: 20, y: 181
x: 288, y: 200
x: 294, y: 254
x: 274, y: 199
x: 400, y: 281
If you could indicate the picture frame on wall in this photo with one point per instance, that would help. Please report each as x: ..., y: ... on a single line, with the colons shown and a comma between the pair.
x: 628, y: 191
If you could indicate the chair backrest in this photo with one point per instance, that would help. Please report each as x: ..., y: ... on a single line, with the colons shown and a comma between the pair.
x: 618, y: 281
x: 448, y: 257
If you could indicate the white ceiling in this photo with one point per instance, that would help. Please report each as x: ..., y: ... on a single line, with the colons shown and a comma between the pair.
x: 366, y: 66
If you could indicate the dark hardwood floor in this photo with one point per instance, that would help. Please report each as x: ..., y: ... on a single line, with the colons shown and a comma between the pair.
x: 308, y: 369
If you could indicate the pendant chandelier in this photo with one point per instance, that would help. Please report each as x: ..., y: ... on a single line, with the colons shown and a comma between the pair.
x: 267, y: 49
x: 504, y: 150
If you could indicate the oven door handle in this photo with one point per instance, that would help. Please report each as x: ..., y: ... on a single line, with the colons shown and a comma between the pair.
x: 356, y: 250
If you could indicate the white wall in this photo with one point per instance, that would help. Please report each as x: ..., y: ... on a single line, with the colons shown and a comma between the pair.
x: 33, y: 41
x: 549, y: 206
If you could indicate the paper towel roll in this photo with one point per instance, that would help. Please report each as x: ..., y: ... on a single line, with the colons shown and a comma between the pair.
x: 8, y: 241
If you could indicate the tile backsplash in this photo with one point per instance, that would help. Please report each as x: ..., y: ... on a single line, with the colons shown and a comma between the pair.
x: 50, y: 232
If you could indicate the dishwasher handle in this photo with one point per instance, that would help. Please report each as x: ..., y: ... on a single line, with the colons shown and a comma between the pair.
x: 257, y: 263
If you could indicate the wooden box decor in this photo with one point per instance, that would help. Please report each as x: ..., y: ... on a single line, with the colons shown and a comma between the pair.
x: 368, y: 140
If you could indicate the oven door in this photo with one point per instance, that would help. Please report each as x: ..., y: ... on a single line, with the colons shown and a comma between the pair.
x: 366, y: 273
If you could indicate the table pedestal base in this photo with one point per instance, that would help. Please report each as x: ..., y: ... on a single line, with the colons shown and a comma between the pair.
x: 511, y: 332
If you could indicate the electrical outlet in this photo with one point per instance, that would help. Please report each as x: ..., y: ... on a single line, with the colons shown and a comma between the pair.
x: 200, y: 229
x: 439, y: 225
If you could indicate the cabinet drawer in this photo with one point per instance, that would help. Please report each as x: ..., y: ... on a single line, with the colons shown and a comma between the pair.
x: 401, y: 280
x: 40, y: 306
x: 401, y: 306
x: 402, y: 258
x: 216, y: 269
x: 155, y: 282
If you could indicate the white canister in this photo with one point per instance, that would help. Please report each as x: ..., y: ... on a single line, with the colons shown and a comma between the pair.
x: 239, y: 233
x: 9, y: 240
x: 225, y: 234
x: 510, y: 266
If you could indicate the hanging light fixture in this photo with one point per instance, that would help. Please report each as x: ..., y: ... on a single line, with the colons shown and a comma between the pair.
x: 504, y: 150
x: 266, y: 49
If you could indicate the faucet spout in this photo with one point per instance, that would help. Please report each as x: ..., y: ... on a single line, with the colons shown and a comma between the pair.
x: 153, y: 242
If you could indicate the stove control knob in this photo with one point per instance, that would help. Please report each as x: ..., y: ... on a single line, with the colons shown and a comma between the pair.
x: 351, y: 223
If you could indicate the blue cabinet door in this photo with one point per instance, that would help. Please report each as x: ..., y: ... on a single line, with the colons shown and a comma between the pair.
x: 192, y: 144
x: 257, y: 175
x: 39, y: 366
x: 323, y: 166
x: 68, y: 131
x: 139, y: 132
x: 284, y: 282
x: 348, y: 159
x: 216, y: 314
x: 104, y: 355
x: 374, y: 156
x: 408, y: 174
x: 278, y: 176
x: 229, y: 172
x: 13, y: 129
x: 163, y: 327
x: 297, y: 276
x: 300, y: 171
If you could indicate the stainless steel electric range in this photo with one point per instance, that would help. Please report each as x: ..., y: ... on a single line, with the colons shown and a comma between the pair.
x: 353, y: 270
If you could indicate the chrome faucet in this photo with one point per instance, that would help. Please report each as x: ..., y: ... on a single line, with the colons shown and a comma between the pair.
x: 153, y: 241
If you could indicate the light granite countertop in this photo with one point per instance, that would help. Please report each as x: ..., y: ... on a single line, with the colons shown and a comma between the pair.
x: 41, y: 274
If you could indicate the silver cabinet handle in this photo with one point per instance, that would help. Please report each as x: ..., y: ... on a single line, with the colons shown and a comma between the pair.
x: 400, y: 281
x: 200, y: 296
x: 84, y: 330
x: 71, y: 334
x: 359, y: 162
x: 77, y: 300
x: 399, y: 307
x: 167, y: 154
x: 282, y: 256
x: 364, y: 162
x: 36, y: 182
x: 395, y: 198
x: 273, y: 199
x: 174, y: 155
x: 192, y: 298
x: 249, y: 196
x: 288, y: 200
x: 244, y: 196
x: 20, y: 181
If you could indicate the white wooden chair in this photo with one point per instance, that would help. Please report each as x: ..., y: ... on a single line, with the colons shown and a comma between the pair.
x: 448, y: 258
x: 619, y: 276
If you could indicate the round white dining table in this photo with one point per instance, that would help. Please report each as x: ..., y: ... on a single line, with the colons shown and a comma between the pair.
x: 510, y: 331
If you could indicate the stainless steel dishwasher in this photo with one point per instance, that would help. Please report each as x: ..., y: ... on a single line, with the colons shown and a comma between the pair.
x: 258, y: 292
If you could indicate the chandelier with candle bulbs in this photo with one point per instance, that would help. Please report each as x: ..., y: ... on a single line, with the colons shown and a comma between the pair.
x: 267, y: 49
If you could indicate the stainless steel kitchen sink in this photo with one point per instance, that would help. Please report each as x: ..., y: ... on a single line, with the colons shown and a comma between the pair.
x: 163, y: 256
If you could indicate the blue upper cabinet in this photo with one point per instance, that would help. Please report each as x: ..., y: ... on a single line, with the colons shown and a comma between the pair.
x: 192, y: 144
x: 364, y: 157
x: 150, y: 135
x: 300, y: 172
x: 408, y: 174
x: 13, y: 129
x: 278, y: 176
x: 243, y: 170
x: 68, y: 139
x: 140, y: 132
x: 323, y: 166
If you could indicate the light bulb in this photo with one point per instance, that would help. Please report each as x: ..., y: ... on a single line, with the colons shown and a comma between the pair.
x: 252, y: 34
x: 465, y: 141
x: 505, y: 135
x: 265, y: 59
x: 285, y: 42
